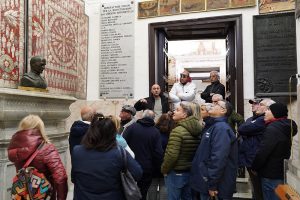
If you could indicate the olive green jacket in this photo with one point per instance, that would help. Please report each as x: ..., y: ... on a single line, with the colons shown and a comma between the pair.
x: 182, y: 145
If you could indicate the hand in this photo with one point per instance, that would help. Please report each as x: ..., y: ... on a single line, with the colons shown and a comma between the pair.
x: 213, y: 193
x: 143, y: 100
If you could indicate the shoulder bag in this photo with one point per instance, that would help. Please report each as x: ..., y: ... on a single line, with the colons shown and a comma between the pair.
x: 130, y: 187
x: 29, y: 183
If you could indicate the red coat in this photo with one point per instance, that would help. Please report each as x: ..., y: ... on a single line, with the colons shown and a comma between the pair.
x: 47, y: 161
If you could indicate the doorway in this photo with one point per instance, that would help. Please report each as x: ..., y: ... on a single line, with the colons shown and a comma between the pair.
x: 228, y: 28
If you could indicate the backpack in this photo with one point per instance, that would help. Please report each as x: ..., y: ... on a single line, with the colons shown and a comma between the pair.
x: 29, y: 183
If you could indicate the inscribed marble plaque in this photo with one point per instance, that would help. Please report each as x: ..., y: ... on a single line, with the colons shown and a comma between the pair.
x: 117, y: 50
x: 275, y: 59
x: 11, y: 42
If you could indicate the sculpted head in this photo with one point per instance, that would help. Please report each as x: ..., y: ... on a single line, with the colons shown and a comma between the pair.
x: 37, y: 64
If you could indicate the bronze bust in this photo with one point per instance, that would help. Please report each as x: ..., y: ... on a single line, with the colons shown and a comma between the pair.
x: 34, y: 78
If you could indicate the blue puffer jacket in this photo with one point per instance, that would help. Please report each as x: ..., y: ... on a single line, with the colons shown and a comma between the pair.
x: 216, y: 161
x: 251, y: 133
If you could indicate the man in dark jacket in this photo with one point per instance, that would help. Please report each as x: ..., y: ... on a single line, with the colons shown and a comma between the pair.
x: 80, y: 127
x: 144, y: 140
x: 250, y: 136
x: 274, y: 148
x: 156, y: 102
x: 215, y: 164
x: 214, y: 88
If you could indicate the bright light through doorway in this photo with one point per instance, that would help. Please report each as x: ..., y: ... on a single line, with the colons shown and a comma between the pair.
x: 199, y: 57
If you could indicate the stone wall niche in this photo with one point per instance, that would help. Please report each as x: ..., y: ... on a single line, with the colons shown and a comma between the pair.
x: 16, y: 104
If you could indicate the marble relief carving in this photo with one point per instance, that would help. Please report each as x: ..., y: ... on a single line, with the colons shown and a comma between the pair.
x: 58, y: 31
x: 11, y: 42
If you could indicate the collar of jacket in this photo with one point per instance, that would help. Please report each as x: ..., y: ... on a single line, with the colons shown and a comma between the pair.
x: 146, y: 121
x: 274, y: 120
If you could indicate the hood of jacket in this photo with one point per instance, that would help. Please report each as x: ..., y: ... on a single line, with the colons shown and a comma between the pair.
x: 146, y: 121
x: 191, y: 124
x: 286, y: 125
x: 79, y: 128
x: 23, y: 144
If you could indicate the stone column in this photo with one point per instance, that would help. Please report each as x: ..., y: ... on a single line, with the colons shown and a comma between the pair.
x: 16, y: 104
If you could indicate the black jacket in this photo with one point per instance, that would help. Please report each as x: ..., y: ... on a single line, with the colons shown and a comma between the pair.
x: 216, y: 88
x: 144, y: 140
x: 78, y: 130
x: 274, y: 148
x: 150, y: 104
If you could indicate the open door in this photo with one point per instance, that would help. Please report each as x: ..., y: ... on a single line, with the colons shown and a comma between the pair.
x: 162, y: 60
x: 223, y: 27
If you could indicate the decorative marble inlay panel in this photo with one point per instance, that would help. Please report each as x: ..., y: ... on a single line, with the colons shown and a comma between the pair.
x: 58, y: 31
x: 11, y: 42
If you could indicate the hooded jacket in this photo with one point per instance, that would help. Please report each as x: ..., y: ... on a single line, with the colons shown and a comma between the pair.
x: 144, y: 140
x: 183, y: 142
x: 274, y: 148
x: 23, y: 144
x: 215, y: 164
x: 77, y: 131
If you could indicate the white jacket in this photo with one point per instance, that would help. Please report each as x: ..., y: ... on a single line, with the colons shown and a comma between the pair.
x: 181, y: 93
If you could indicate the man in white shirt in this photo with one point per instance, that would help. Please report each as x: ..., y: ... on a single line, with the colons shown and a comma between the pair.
x: 185, y: 90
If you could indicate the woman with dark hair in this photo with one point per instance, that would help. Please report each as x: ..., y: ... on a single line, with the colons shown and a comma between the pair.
x: 97, y: 163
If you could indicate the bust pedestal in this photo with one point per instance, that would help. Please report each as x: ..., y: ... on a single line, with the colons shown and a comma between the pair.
x: 16, y: 104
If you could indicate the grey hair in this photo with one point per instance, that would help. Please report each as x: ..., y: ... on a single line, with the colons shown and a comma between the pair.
x: 216, y: 73
x: 207, y: 106
x: 220, y: 97
x: 268, y: 102
x: 187, y: 108
x: 149, y: 114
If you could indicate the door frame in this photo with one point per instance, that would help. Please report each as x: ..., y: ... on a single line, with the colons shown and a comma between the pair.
x: 233, y: 20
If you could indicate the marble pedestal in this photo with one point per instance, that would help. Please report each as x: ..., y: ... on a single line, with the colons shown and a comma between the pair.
x: 16, y: 104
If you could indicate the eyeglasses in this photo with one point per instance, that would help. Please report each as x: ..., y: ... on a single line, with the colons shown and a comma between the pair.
x: 184, y: 75
x: 217, y: 103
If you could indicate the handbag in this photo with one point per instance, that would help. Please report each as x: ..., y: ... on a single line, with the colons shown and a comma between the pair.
x: 29, y: 183
x: 130, y: 187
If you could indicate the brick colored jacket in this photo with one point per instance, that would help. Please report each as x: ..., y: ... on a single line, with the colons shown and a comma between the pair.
x: 47, y: 161
x: 182, y: 145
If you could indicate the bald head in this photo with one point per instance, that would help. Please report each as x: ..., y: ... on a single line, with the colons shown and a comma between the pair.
x: 87, y: 113
x: 155, y: 90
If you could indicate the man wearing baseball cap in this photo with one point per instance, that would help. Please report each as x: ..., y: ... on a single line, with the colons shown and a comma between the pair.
x: 127, y: 117
x: 251, y: 133
x: 274, y: 148
x: 254, y: 104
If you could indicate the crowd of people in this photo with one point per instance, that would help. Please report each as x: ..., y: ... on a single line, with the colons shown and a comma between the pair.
x: 190, y: 153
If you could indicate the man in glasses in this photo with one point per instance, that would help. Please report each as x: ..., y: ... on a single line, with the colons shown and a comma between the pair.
x: 251, y: 133
x: 215, y: 163
x: 214, y: 88
x: 156, y: 102
x: 185, y: 90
